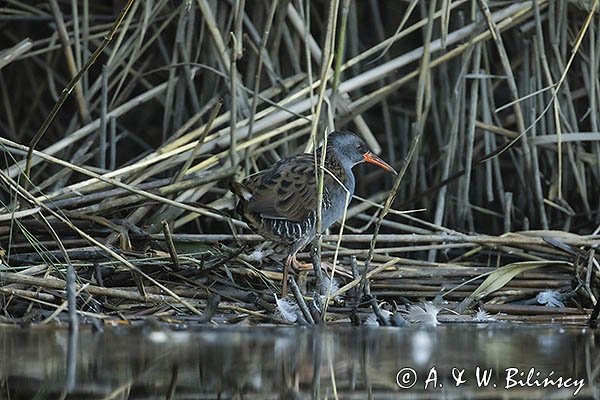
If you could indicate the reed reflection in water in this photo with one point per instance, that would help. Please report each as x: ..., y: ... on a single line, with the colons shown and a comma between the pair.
x: 269, y: 362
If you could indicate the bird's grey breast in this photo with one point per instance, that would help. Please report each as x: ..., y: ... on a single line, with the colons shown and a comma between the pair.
x: 335, y: 199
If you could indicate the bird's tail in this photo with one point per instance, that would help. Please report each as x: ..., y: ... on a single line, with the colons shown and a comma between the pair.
x: 244, y: 196
x: 240, y: 190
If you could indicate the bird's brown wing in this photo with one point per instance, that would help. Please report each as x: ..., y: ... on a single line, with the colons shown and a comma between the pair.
x: 287, y: 190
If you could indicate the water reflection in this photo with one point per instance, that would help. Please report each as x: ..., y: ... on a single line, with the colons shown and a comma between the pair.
x: 265, y: 362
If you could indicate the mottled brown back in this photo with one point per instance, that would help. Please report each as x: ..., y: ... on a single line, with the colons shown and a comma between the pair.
x: 288, y: 189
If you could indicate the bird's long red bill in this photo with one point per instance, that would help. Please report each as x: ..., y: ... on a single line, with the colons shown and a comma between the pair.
x: 374, y: 159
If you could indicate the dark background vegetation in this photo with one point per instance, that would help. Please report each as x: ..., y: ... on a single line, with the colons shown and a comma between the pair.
x: 505, y: 193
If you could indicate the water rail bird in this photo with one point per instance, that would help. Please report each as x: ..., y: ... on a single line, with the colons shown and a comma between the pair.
x: 280, y: 202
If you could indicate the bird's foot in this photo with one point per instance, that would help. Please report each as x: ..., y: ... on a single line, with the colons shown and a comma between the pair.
x: 301, y: 266
x: 306, y: 266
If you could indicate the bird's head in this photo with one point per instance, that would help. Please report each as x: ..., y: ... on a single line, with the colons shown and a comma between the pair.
x: 351, y: 149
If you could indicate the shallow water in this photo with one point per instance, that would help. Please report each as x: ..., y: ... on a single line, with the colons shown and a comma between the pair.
x: 270, y: 362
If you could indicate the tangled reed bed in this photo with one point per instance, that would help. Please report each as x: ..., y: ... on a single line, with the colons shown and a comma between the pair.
x: 115, y: 189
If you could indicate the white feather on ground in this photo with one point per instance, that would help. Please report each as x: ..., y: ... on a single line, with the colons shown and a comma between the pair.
x: 325, y: 284
x: 425, y: 314
x: 259, y: 254
x: 288, y: 310
x: 551, y: 298
x: 483, y: 316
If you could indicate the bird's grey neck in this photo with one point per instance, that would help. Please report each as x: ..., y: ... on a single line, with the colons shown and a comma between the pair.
x: 340, y: 166
x: 333, y: 156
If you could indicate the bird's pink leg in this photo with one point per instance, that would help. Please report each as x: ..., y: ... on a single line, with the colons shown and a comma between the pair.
x: 292, y: 261
x: 299, y: 265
